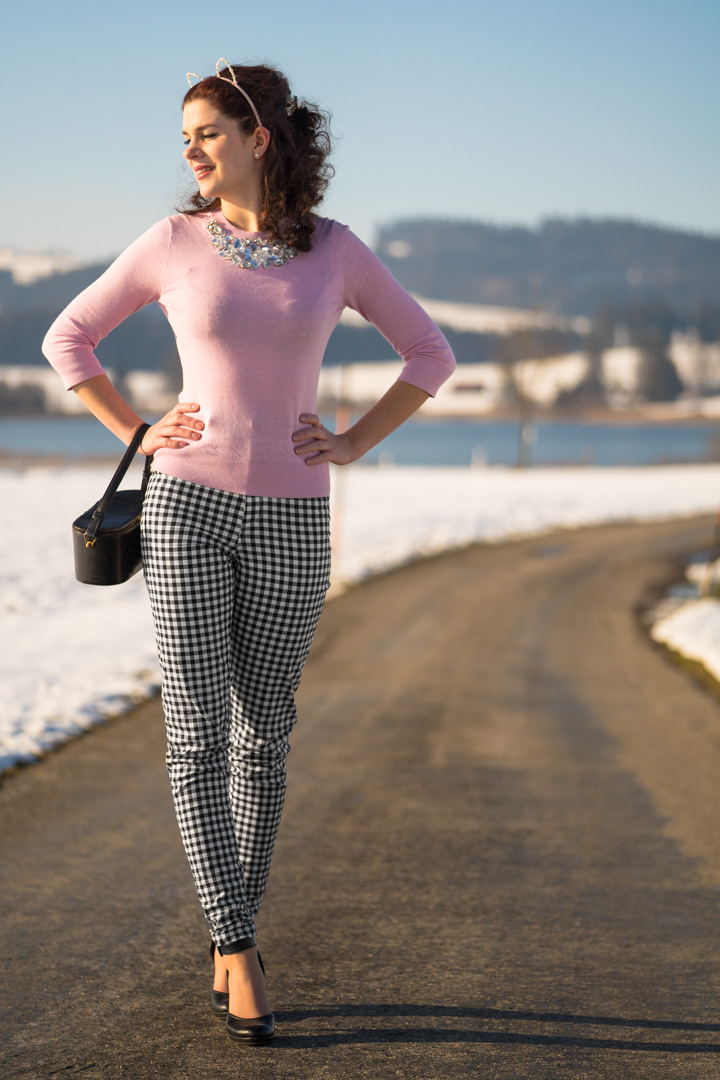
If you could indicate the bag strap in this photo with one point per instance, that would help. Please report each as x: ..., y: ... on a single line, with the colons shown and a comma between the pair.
x: 102, y: 507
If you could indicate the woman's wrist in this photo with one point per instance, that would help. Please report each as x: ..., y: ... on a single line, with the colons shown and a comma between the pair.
x: 352, y: 450
x: 394, y: 408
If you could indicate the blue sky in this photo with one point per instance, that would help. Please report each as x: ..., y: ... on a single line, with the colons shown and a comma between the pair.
x: 509, y: 111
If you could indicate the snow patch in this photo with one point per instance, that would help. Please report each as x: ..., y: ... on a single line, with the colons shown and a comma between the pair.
x: 693, y: 630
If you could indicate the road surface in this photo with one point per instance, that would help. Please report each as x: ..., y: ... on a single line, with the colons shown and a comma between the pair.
x: 500, y: 854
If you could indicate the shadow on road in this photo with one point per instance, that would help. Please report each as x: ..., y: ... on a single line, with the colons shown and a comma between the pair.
x: 462, y: 1035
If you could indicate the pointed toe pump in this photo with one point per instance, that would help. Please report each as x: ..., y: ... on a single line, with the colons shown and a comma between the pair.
x: 260, y: 1029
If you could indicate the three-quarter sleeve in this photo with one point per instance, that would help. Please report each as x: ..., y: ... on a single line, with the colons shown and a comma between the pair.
x: 131, y: 282
x: 370, y: 289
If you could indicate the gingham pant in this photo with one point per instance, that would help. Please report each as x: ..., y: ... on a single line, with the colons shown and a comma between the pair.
x: 236, y: 584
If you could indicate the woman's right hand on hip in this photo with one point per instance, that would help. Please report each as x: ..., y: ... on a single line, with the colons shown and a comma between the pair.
x: 174, y: 430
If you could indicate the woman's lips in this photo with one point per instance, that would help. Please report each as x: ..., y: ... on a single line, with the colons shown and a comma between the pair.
x: 199, y: 173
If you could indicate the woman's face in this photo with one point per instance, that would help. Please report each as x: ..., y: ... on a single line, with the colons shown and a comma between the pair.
x: 221, y: 157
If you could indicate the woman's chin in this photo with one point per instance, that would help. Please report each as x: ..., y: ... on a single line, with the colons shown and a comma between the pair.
x: 208, y: 189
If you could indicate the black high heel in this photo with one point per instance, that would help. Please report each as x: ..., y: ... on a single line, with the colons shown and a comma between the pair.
x: 220, y: 999
x: 261, y: 1029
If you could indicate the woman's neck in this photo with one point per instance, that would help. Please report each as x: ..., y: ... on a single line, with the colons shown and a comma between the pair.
x: 245, y: 218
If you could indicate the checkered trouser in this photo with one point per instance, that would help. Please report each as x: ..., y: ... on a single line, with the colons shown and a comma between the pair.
x: 236, y: 584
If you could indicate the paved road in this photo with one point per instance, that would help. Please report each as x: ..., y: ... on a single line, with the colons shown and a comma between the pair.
x: 500, y: 856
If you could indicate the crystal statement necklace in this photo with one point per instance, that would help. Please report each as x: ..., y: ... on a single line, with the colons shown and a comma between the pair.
x: 249, y: 254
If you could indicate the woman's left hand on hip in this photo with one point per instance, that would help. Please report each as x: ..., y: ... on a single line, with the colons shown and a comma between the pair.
x: 318, y: 445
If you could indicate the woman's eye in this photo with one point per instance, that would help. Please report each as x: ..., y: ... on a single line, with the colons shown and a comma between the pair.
x: 207, y: 135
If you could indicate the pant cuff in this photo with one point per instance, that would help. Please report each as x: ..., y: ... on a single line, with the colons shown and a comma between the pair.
x: 236, y: 946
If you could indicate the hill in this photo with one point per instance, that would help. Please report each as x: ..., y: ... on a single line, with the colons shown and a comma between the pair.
x: 571, y: 267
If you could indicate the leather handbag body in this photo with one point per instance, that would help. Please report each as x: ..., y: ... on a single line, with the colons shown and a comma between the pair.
x: 106, y: 538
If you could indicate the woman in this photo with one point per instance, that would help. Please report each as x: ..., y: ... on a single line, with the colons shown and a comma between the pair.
x: 235, y: 528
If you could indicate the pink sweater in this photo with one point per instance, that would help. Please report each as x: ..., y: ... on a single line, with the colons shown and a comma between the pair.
x: 251, y: 342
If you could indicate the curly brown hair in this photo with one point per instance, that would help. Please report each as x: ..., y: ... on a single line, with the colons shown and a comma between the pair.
x: 295, y: 173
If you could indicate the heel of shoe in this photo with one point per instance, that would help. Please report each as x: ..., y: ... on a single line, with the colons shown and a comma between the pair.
x: 219, y: 1003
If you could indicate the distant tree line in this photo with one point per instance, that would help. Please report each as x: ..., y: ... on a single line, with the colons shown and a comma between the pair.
x: 564, y: 265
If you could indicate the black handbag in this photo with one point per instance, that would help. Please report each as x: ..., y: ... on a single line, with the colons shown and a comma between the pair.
x: 106, y: 538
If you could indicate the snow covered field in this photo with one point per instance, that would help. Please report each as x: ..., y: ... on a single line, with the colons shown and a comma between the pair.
x: 74, y: 654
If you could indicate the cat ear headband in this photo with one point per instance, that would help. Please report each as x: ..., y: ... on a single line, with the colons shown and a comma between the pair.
x: 233, y: 82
